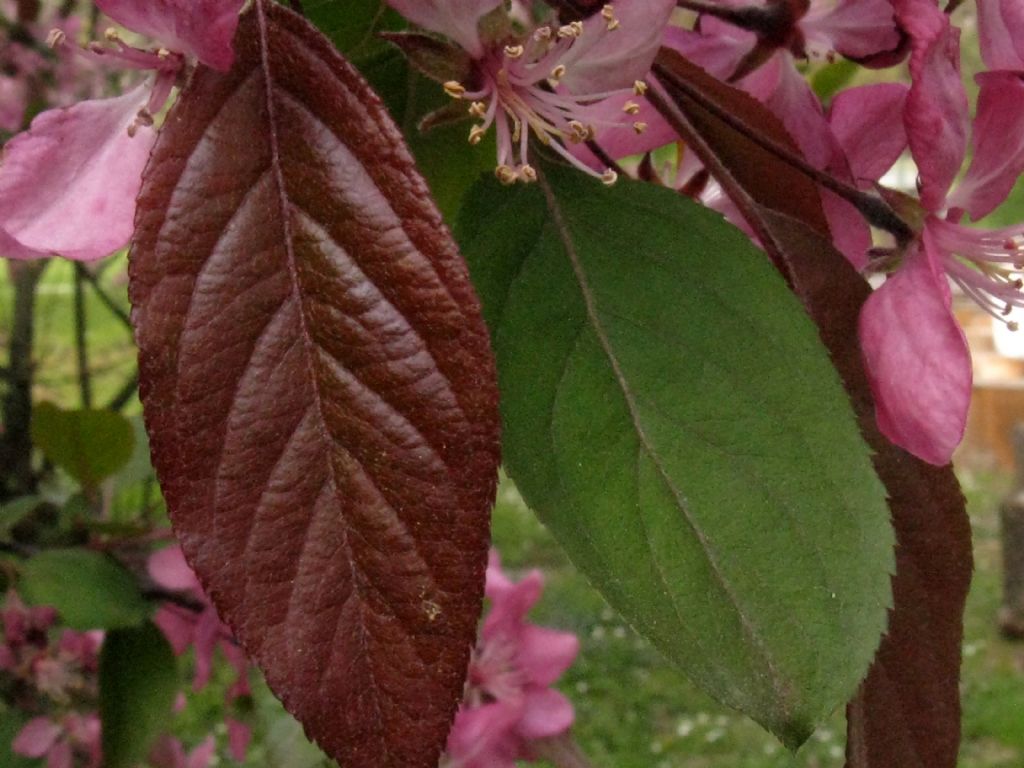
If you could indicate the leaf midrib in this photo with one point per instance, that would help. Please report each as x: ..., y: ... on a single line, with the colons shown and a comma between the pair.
x: 590, y: 306
x: 308, y: 344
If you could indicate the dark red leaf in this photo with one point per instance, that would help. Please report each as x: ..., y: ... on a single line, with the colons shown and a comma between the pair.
x: 319, y: 390
x: 907, y: 712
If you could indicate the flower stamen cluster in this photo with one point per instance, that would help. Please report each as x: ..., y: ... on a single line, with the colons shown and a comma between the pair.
x: 521, y: 94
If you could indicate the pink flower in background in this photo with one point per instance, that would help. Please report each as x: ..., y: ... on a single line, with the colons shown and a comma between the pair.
x: 183, y: 627
x: 202, y: 631
x: 68, y: 184
x: 74, y: 740
x: 553, y: 81
x: 916, y: 354
x: 509, y: 701
x: 168, y: 752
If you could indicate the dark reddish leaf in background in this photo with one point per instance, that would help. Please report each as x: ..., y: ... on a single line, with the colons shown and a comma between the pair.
x: 319, y: 390
x: 907, y: 712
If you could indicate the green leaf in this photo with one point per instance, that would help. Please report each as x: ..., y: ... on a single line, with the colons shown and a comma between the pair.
x: 352, y: 24
x: 14, y: 511
x: 88, y: 589
x: 670, y: 413
x: 443, y: 154
x: 138, y: 682
x: 90, y: 445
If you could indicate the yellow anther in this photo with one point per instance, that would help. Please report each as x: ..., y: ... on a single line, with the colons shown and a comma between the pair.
x: 56, y: 38
x: 478, y: 110
x: 609, y: 177
x: 639, y: 127
x: 514, y: 51
x: 580, y: 132
x: 631, y: 108
x: 542, y: 34
x: 558, y: 72
x: 639, y: 87
x: 163, y: 53
x: 574, y: 29
x: 454, y: 89
x: 111, y: 35
x: 527, y: 174
x: 476, y: 134
x: 1012, y: 325
x: 608, y: 14
x: 506, y: 175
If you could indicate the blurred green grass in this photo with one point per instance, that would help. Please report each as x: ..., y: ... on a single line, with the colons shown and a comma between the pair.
x: 633, y: 711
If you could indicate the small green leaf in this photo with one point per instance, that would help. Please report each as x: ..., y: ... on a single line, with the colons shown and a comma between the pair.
x: 88, y: 589
x: 138, y: 682
x: 671, y: 414
x: 14, y: 511
x: 90, y: 445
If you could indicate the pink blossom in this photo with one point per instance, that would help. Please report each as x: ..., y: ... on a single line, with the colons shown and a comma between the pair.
x: 239, y: 736
x: 61, y: 741
x: 915, y: 353
x: 68, y: 185
x: 508, y: 701
x: 184, y: 627
x: 765, y: 66
x: 200, y: 28
x: 1001, y: 29
x: 552, y: 80
x: 168, y: 752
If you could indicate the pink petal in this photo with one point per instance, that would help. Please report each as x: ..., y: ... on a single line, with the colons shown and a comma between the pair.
x: 178, y: 625
x: 202, y: 755
x: 601, y: 60
x: 854, y: 28
x: 68, y: 184
x: 167, y: 753
x: 200, y: 28
x: 917, y: 359
x: 455, y: 19
x: 786, y: 93
x: 936, y: 112
x: 36, y: 738
x: 616, y: 134
x: 510, y: 602
x: 206, y: 636
x: 485, y: 737
x: 998, y: 140
x: 60, y: 756
x: 544, y: 654
x: 547, y: 713
x: 868, y: 124
x: 1001, y: 29
x: 168, y: 568
x: 717, y: 48
x: 239, y: 736
x: 13, y: 102
x: 851, y: 234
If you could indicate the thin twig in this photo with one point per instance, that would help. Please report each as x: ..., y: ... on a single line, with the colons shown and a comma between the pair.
x: 16, y: 475
x: 106, y: 299
x: 81, y: 342
x: 124, y: 395
x: 874, y: 209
